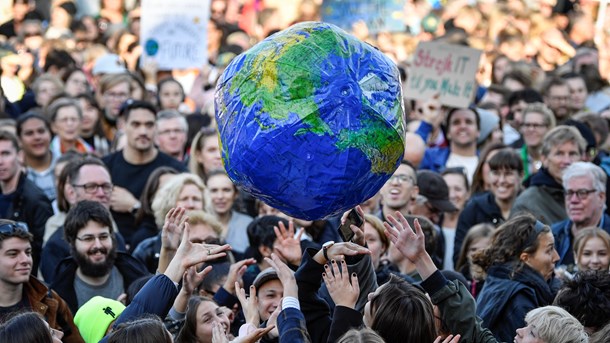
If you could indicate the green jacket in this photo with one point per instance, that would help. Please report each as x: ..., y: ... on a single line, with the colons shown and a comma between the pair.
x: 457, y: 308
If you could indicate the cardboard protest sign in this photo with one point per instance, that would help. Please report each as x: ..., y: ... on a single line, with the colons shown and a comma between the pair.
x: 379, y: 15
x: 174, y: 33
x: 445, y: 69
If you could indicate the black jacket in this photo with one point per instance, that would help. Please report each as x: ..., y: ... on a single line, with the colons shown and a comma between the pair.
x: 57, y: 248
x: 130, y: 268
x: 507, y: 297
x: 31, y: 206
x: 479, y: 209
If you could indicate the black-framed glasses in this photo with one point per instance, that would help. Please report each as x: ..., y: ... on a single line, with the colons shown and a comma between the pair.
x: 581, y: 194
x: 93, y: 187
x: 12, y: 228
x: 102, y: 237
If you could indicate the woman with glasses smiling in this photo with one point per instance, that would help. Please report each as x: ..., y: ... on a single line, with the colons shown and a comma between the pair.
x: 494, y: 206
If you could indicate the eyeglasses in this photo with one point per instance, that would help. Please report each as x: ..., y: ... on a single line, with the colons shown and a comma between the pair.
x: 91, y: 188
x: 103, y: 237
x: 400, y: 178
x: 533, y: 126
x: 581, y: 194
x: 12, y: 228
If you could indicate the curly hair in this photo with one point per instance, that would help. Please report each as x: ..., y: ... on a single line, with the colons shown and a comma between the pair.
x: 516, y: 236
x: 587, y: 297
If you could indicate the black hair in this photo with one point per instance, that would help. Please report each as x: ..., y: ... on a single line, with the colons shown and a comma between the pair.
x: 31, y: 115
x: 471, y: 109
x: 85, y: 211
x: 59, y: 59
x: 261, y: 234
x: 528, y: 95
x: 587, y: 298
x: 131, y: 105
x: 26, y: 327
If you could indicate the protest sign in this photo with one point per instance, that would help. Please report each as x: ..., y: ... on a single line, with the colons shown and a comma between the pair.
x: 378, y: 15
x: 174, y: 33
x: 445, y: 69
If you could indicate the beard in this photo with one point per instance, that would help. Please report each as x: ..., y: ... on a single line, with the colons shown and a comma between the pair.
x: 93, y: 269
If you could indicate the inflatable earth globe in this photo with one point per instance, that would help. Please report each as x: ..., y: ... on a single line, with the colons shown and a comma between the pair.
x: 311, y: 120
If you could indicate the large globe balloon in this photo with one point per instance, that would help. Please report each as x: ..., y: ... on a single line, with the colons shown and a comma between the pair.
x: 311, y: 120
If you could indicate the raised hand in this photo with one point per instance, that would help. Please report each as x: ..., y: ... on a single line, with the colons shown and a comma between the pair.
x: 236, y: 271
x: 173, y: 227
x: 192, y: 279
x: 410, y: 244
x: 285, y: 275
x: 255, y: 335
x: 249, y: 304
x: 449, y: 339
x: 194, y: 253
x: 341, y: 290
x: 287, y: 245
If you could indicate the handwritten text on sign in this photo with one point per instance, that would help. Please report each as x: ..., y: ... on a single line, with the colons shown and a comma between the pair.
x: 174, y: 33
x: 444, y: 69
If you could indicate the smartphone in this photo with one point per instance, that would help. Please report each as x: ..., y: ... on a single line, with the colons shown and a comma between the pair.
x: 345, y: 231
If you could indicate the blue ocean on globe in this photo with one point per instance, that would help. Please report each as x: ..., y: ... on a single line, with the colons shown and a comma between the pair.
x: 311, y: 120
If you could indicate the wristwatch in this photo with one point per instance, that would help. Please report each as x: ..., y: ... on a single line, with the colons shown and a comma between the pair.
x: 325, y: 247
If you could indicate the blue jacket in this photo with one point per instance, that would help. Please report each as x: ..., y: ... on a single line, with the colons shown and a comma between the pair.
x: 481, y: 208
x: 291, y: 326
x: 435, y: 159
x: 563, y: 238
x: 156, y: 297
x: 507, y: 297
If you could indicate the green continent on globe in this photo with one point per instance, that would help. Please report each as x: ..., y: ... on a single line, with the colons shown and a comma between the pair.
x: 378, y: 142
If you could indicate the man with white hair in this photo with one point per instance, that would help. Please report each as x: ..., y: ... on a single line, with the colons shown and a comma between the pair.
x: 585, y: 200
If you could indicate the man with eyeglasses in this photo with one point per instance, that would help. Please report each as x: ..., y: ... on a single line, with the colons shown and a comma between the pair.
x: 87, y: 179
x: 398, y: 191
x: 21, y: 200
x: 170, y: 135
x: 585, y: 201
x: 20, y: 291
x: 130, y: 167
x: 96, y: 267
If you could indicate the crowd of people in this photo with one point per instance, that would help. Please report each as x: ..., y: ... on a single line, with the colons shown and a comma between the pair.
x: 120, y: 224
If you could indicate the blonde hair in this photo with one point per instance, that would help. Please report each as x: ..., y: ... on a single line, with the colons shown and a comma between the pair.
x: 556, y: 325
x: 584, y: 236
x: 377, y: 224
x: 199, y: 217
x: 167, y: 196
